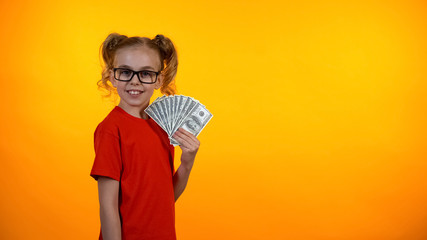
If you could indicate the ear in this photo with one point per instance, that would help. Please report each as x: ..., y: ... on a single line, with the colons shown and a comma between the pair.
x: 159, y: 81
x: 112, y: 80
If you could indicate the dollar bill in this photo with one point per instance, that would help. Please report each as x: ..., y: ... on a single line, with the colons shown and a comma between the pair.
x: 178, y: 111
x: 196, y: 120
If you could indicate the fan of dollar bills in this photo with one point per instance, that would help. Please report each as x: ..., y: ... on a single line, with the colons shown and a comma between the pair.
x: 177, y: 111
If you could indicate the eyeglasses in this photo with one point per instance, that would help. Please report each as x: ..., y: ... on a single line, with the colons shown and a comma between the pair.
x: 144, y: 76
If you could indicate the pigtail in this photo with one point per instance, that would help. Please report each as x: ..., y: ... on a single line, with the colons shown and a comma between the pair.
x: 107, y: 50
x: 109, y: 47
x: 169, y: 60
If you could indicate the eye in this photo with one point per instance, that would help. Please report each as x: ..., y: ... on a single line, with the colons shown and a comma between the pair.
x: 125, y: 72
x: 146, y: 74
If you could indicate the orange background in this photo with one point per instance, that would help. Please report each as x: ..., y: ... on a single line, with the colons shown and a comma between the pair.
x: 319, y: 127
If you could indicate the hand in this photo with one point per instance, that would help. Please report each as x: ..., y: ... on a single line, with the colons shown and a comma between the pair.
x: 189, y: 145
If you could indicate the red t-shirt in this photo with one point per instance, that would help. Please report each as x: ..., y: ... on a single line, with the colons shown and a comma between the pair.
x: 137, y: 153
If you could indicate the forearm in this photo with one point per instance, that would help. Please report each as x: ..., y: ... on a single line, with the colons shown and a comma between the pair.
x: 110, y: 224
x: 180, y: 179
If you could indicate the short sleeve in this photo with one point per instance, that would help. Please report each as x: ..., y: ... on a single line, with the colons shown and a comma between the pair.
x: 108, y: 162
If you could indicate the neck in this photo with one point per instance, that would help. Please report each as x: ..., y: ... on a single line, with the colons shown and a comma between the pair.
x: 135, y: 111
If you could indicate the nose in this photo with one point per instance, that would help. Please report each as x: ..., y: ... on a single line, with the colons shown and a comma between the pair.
x: 135, y: 80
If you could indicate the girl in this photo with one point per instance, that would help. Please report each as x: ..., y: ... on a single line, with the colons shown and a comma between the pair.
x: 137, y: 183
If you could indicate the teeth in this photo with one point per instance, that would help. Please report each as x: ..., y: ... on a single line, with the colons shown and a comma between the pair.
x: 134, y: 92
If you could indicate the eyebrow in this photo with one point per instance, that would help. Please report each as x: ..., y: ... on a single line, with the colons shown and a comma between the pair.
x: 129, y: 67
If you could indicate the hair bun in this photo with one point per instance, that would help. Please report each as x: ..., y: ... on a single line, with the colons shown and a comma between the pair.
x: 160, y: 36
x: 113, y: 43
x: 114, y: 39
x: 159, y: 39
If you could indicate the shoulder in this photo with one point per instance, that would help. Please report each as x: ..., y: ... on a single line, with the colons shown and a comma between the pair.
x: 110, y: 124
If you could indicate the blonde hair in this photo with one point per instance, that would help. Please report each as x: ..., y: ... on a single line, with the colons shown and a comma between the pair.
x: 161, y: 44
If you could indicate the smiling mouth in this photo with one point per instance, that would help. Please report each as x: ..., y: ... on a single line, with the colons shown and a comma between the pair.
x: 134, y: 92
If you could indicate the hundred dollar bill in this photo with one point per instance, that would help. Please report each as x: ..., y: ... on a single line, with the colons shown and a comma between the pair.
x: 151, y: 112
x: 168, y: 116
x: 176, y: 111
x: 196, y: 120
x: 186, y: 111
x: 162, y: 108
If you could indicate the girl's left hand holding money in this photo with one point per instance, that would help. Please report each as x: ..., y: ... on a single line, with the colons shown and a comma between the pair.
x: 189, y: 145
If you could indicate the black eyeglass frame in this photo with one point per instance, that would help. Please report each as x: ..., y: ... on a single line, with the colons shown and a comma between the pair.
x: 137, y: 74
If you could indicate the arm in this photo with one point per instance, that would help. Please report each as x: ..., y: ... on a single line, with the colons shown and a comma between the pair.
x: 180, y: 180
x: 108, y: 189
x: 189, y: 145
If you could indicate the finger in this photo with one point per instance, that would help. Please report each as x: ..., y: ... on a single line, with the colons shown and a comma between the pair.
x: 187, y: 144
x: 183, y: 142
x: 189, y: 135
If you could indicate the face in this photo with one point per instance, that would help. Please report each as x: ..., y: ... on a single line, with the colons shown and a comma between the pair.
x: 134, y: 95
